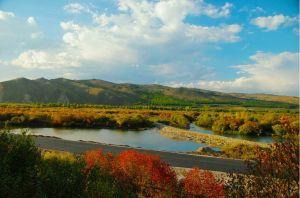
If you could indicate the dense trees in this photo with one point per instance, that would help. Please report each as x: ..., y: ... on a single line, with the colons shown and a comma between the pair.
x: 90, y: 117
x: 223, y: 121
x: 246, y: 123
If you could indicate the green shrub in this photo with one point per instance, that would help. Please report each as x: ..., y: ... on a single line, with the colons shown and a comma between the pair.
x: 204, y: 121
x: 241, y: 151
x: 278, y: 130
x: 100, y: 183
x: 249, y: 128
x: 221, y: 126
x: 61, y: 177
x: 180, y: 121
x: 19, y: 161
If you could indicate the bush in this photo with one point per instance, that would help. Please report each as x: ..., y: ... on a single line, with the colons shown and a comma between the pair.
x: 241, y: 151
x: 100, y: 179
x: 61, y: 175
x: 132, y: 122
x: 275, y: 172
x: 204, y: 121
x: 278, y: 130
x: 249, y: 128
x: 198, y: 183
x: 146, y: 173
x: 221, y: 126
x: 180, y: 121
x: 19, y: 161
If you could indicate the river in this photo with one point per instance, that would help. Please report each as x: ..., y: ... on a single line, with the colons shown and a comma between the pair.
x: 266, y: 139
x: 147, y: 139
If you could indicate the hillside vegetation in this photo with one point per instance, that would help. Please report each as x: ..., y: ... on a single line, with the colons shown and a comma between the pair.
x: 66, y: 91
x: 269, y: 97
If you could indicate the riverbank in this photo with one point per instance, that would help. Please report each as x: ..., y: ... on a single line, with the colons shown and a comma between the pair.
x: 174, y: 159
x: 210, y: 140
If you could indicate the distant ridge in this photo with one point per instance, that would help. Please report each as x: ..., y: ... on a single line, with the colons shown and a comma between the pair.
x: 61, y: 90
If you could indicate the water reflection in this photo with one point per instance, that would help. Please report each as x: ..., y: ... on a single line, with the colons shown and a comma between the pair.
x: 266, y: 139
x: 148, y: 139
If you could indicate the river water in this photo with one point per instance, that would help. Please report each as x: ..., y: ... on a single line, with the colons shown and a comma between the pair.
x: 147, y: 139
x: 266, y: 139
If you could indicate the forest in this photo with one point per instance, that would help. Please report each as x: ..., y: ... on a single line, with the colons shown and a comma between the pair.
x: 244, y: 121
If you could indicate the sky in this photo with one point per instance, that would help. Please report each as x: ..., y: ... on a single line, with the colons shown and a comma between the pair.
x: 229, y: 46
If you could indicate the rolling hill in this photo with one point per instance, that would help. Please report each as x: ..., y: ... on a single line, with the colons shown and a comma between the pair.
x: 94, y: 91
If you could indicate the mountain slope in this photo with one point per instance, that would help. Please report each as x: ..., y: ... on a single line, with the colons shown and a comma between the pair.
x: 269, y: 97
x: 93, y: 91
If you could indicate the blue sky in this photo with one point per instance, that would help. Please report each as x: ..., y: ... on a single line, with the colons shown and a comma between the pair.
x: 230, y: 46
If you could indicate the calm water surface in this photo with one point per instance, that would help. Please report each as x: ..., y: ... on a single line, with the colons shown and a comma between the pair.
x: 148, y: 139
x: 266, y: 139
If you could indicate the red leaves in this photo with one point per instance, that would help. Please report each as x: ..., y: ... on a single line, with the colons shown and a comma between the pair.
x: 97, y: 158
x: 153, y: 178
x: 145, y: 172
x: 199, y: 183
x: 144, y: 169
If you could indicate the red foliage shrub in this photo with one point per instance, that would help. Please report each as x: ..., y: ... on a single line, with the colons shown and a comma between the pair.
x: 97, y: 158
x: 148, y: 176
x: 199, y: 183
x: 275, y: 171
x: 147, y: 173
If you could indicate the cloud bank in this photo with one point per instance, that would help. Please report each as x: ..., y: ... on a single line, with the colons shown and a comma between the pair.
x: 141, y: 37
x: 269, y: 73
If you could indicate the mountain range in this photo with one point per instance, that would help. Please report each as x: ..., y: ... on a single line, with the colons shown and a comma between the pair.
x: 102, y: 92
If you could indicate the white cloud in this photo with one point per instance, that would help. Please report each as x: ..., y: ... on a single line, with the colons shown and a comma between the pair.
x: 258, y: 9
x: 74, y: 8
x: 99, y: 46
x: 272, y: 23
x: 270, y: 73
x: 215, y: 12
x: 226, y: 33
x: 44, y: 60
x: 36, y: 35
x: 31, y: 21
x: 146, y: 32
x: 6, y: 15
x: 251, y: 10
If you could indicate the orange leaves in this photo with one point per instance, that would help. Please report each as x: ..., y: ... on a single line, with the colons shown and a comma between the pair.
x: 97, y: 158
x: 150, y: 177
x: 144, y: 170
x: 198, y: 183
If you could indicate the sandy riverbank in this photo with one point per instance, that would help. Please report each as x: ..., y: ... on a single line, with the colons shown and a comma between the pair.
x: 210, y: 140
